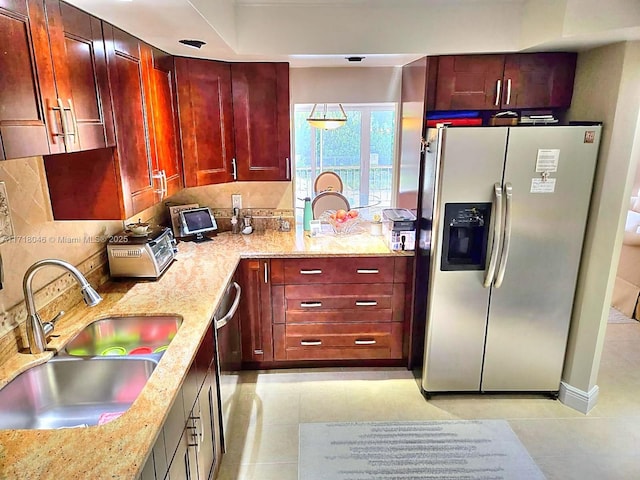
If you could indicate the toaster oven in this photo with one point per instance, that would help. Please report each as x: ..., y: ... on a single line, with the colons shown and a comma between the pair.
x: 141, y: 256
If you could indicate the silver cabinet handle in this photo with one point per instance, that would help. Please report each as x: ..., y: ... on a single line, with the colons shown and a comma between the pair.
x: 288, y: 167
x: 157, y: 175
x: 365, y: 342
x: 506, y: 242
x: 310, y: 304
x: 310, y: 272
x: 498, y: 90
x: 234, y: 171
x: 258, y: 352
x: 76, y: 137
x: 266, y: 273
x: 495, y: 242
x: 508, y: 91
x: 165, y: 184
x: 232, y: 311
x: 310, y: 343
x: 366, y: 303
x: 65, y: 126
x: 366, y: 271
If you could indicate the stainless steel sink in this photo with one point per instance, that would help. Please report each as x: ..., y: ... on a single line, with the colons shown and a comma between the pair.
x: 126, y: 335
x: 71, y: 392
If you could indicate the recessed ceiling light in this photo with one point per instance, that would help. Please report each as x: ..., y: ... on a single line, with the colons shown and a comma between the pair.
x: 192, y: 43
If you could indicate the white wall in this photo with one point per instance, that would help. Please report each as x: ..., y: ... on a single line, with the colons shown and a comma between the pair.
x: 607, y: 88
x: 345, y: 85
x: 590, y: 16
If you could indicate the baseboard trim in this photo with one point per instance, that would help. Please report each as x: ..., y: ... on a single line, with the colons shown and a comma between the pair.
x: 578, y: 399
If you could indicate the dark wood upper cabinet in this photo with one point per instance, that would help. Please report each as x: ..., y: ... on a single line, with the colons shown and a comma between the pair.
x: 28, y: 123
x: 261, y: 120
x: 206, y: 120
x: 126, y: 74
x: 163, y: 120
x: 538, y: 80
x: 145, y: 166
x: 495, y: 82
x: 78, y: 53
x: 469, y: 82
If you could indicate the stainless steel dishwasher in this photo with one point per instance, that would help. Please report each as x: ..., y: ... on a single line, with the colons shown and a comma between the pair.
x: 229, y: 356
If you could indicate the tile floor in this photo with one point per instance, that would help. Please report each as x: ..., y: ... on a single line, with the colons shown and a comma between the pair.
x: 605, y: 444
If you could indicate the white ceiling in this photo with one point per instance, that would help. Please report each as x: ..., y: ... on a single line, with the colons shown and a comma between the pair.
x: 321, y: 33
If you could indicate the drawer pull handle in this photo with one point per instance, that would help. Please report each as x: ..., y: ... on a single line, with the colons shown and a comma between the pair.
x: 366, y: 303
x: 368, y: 270
x: 258, y: 352
x: 365, y: 342
x: 310, y: 304
x: 310, y: 343
x: 310, y: 272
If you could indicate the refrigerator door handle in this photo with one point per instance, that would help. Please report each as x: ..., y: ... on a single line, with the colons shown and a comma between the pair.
x: 506, y: 243
x: 495, y: 242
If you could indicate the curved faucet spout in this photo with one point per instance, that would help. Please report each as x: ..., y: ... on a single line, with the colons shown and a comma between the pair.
x: 36, y: 335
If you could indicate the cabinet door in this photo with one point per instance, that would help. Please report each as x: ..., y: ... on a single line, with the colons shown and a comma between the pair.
x: 255, y: 311
x: 469, y: 82
x: 183, y: 466
x: 163, y: 120
x: 206, y: 120
x: 126, y: 78
x: 28, y: 124
x: 210, y: 446
x: 538, y: 80
x: 261, y: 120
x: 78, y: 53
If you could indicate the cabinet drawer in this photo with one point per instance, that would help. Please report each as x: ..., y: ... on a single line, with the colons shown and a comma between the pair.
x: 344, y: 303
x: 343, y: 341
x: 323, y: 297
x: 339, y: 270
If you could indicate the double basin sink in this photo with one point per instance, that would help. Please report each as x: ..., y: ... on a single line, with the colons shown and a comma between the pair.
x: 94, y: 379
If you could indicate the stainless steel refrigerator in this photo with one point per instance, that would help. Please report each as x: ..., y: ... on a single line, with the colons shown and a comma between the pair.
x: 509, y: 209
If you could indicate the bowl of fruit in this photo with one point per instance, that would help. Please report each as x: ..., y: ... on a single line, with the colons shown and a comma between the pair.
x: 342, y: 221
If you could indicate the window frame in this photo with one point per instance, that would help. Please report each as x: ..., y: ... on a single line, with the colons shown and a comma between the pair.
x: 366, y: 110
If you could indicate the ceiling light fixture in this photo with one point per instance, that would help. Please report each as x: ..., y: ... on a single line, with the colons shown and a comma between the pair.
x: 325, y: 122
x: 192, y: 43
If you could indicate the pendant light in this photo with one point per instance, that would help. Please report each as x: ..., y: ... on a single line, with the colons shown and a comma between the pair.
x: 324, y: 122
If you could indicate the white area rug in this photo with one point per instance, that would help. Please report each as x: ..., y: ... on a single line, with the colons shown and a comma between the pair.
x: 616, y: 316
x: 443, y: 450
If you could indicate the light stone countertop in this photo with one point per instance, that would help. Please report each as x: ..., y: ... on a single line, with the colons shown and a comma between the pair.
x: 192, y: 287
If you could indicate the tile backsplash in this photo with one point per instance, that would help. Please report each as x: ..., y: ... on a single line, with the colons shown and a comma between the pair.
x: 36, y: 235
x: 82, y: 243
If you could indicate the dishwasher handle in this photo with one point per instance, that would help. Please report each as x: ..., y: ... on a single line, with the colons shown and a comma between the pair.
x: 232, y: 311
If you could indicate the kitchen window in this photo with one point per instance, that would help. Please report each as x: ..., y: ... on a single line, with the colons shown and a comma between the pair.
x: 361, y: 152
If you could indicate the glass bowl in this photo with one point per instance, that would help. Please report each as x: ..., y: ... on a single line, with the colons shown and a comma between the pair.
x: 340, y: 227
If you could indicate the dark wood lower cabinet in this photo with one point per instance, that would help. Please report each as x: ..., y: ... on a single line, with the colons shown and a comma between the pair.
x: 189, y: 447
x: 324, y: 309
x: 255, y: 311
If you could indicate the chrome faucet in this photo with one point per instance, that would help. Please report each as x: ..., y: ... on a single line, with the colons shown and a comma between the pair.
x: 37, y: 331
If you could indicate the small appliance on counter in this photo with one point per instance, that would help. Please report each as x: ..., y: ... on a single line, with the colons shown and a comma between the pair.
x: 399, y: 228
x: 146, y: 255
x: 198, y: 222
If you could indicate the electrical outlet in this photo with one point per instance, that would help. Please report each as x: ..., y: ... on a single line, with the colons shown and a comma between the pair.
x: 236, y: 201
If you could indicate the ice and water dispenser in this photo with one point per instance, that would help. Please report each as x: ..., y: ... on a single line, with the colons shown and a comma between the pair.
x: 466, y: 234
